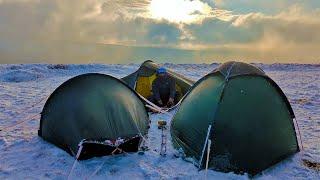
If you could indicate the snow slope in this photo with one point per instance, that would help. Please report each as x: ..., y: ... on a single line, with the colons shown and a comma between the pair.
x: 23, y: 155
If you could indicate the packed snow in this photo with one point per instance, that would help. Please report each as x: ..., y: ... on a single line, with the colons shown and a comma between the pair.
x: 23, y: 155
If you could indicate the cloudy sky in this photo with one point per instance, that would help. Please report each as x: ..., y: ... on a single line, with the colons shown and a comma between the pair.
x: 123, y: 31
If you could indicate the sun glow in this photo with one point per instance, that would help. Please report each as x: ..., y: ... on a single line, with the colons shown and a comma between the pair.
x: 179, y: 11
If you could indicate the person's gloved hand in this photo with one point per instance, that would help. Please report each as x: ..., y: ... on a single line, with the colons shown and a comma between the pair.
x: 170, y: 102
x: 160, y: 103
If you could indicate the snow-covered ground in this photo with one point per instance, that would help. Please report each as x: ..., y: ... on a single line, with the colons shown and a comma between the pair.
x: 23, y: 155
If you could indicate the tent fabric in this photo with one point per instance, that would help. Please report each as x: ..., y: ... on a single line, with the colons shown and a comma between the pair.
x: 92, y: 106
x: 251, y: 119
x: 230, y: 69
x: 233, y: 69
x: 142, y: 79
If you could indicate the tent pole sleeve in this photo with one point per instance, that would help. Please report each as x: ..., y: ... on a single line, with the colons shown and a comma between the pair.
x: 204, y: 146
x: 295, y: 123
x: 208, y: 157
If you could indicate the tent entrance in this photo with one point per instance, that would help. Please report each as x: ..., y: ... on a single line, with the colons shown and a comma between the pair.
x: 144, y: 86
x: 93, y: 148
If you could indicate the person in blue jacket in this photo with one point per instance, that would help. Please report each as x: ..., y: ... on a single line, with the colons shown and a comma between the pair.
x: 163, y: 89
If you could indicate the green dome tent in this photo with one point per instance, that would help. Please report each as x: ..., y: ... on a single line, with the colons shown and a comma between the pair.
x: 141, y: 80
x: 99, y: 111
x: 243, y: 113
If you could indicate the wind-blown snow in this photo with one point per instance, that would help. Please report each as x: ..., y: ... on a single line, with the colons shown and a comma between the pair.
x: 23, y: 155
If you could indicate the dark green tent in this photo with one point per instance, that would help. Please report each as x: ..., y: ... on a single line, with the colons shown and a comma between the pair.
x: 141, y: 80
x: 243, y: 113
x: 94, y: 109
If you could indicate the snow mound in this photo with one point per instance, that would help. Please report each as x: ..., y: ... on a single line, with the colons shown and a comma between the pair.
x: 20, y: 76
x: 57, y: 66
x: 2, y: 142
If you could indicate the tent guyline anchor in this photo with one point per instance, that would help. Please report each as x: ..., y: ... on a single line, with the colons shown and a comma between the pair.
x: 144, y: 145
x: 143, y: 148
x: 116, y: 145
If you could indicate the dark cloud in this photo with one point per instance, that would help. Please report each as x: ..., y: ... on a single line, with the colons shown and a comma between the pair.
x: 162, y: 33
x: 215, y: 31
x: 299, y: 30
